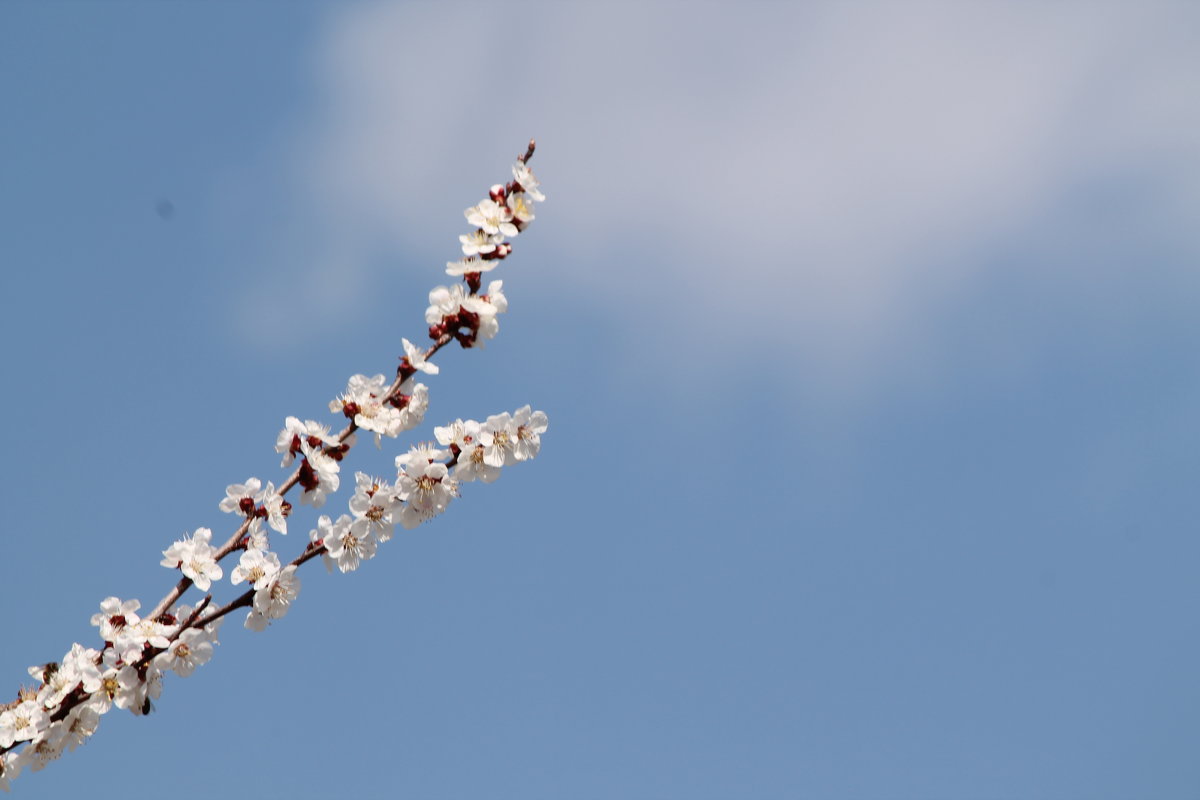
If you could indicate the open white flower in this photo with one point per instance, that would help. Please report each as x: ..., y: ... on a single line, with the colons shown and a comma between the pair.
x: 80, y: 724
x: 239, y: 497
x: 413, y: 404
x: 461, y: 434
x: 524, y: 177
x: 59, y: 681
x: 131, y: 643
x: 136, y: 691
x: 489, y: 306
x: 272, y: 600
x: 498, y: 435
x: 366, y: 401
x: 444, y: 301
x: 345, y: 547
x: 10, y: 768
x: 492, y: 218
x: 495, y: 297
x: 78, y: 667
x: 322, y: 473
x: 473, y: 465
x: 114, y: 615
x: 275, y: 507
x: 22, y: 722
x: 416, y: 357
x: 470, y: 264
x: 372, y: 505
x: 521, y: 205
x: 427, y: 488
x: 530, y: 425
x: 47, y: 747
x: 421, y: 454
x: 190, y: 650
x: 195, y: 558
x: 295, y: 432
x: 255, y: 567
x: 479, y: 243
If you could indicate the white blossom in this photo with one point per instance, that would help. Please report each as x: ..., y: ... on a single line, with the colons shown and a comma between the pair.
x: 479, y: 242
x: 274, y: 507
x: 255, y: 566
x: 530, y: 425
x: 132, y: 640
x: 114, y: 616
x: 10, y: 768
x: 494, y: 303
x: 79, y: 666
x: 416, y: 358
x: 80, y: 724
x: 372, y: 505
x: 135, y: 692
x: 471, y: 264
x: 84, y: 663
x: 421, y: 454
x: 272, y: 600
x: 366, y: 398
x: 190, y: 650
x: 47, y: 747
x: 498, y: 435
x: 521, y: 206
x: 524, y: 177
x: 195, y: 557
x: 492, y: 218
x: 58, y: 682
x: 22, y: 722
x: 495, y: 297
x: 473, y: 465
x: 444, y: 301
x: 416, y: 403
x: 481, y: 304
x: 257, y: 538
x: 344, y: 546
x: 458, y: 433
x: 427, y: 488
x: 295, y: 432
x: 239, y: 497
x: 324, y: 470
x: 103, y: 698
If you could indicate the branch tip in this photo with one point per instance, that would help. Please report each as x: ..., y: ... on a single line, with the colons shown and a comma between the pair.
x: 528, y: 152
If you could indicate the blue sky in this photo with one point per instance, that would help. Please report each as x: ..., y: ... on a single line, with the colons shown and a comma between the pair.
x: 867, y: 335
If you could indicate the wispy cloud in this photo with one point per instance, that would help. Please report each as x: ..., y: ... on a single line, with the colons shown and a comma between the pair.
x: 829, y: 170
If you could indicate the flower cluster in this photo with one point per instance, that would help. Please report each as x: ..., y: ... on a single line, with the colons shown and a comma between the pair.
x: 425, y: 484
x: 247, y: 500
x: 195, y: 558
x: 373, y: 406
x: 127, y: 672
x: 480, y: 450
x: 462, y: 311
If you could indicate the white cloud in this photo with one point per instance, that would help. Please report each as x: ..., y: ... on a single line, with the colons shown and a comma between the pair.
x: 854, y: 159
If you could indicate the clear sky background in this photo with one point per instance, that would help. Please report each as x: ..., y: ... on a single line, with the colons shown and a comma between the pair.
x: 868, y: 335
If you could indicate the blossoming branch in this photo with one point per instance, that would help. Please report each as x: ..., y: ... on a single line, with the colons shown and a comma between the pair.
x: 64, y: 708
